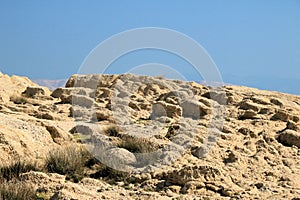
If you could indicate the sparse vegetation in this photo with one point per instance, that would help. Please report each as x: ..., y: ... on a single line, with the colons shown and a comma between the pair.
x: 15, y: 169
x: 17, y: 191
x: 69, y: 161
x: 109, y: 174
x: 138, y: 145
x: 41, y: 196
x: 113, y: 131
x: 81, y: 138
x: 10, y: 186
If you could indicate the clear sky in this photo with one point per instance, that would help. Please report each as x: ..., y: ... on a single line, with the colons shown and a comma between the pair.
x: 254, y: 42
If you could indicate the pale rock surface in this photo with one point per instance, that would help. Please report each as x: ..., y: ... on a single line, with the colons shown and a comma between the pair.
x: 173, y: 139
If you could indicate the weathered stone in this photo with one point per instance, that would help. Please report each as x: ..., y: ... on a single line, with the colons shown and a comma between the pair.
x: 260, y: 100
x: 292, y: 125
x: 57, y: 134
x: 199, y: 152
x: 66, y: 94
x: 82, y: 101
x: 103, y: 114
x: 289, y: 138
x: 36, y: 91
x: 283, y: 115
x: 247, y: 105
x: 120, y: 156
x: 160, y: 109
x: 82, y: 129
x: 248, y: 114
x: 276, y: 102
x: 232, y: 157
x: 194, y: 109
x: 217, y: 95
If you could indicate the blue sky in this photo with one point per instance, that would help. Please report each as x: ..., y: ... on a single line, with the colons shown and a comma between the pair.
x: 254, y: 43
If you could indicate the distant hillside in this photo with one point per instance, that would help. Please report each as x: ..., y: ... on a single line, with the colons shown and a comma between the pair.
x: 51, y: 84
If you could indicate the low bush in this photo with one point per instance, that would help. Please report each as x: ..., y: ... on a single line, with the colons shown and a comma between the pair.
x: 15, y: 169
x: 113, y: 131
x: 17, y: 191
x: 69, y: 161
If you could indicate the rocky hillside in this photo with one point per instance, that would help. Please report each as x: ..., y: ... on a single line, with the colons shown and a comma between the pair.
x: 139, y: 137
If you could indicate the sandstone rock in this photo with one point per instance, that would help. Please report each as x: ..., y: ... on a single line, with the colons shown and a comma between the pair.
x: 103, y: 92
x: 193, y: 173
x: 36, y: 91
x: 175, y: 188
x: 199, y: 152
x: 57, y: 134
x: 14, y: 85
x: 43, y: 115
x: 90, y: 81
x: 164, y: 109
x: 66, y: 94
x: 170, y: 97
x: 289, y: 138
x: 283, y: 115
x: 247, y: 105
x: 247, y: 131
x: 103, y: 114
x: 82, y: 101
x: 276, y: 102
x: 231, y: 157
x: 82, y: 129
x: 292, y: 125
x: 191, y: 186
x: 260, y: 100
x: 248, y: 114
x: 217, y: 95
x: 120, y: 157
x: 194, y: 109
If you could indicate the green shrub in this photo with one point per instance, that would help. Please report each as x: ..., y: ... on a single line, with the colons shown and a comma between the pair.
x: 17, y: 191
x: 69, y: 161
x: 15, y: 169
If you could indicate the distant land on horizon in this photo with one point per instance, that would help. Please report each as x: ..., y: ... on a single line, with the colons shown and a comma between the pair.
x: 51, y: 84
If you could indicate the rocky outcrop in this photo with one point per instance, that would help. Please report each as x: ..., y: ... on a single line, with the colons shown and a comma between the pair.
x: 153, y: 138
